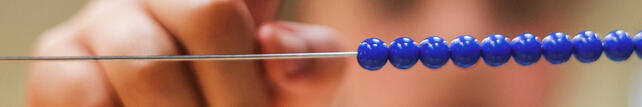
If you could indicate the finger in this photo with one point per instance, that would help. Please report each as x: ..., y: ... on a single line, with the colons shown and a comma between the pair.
x: 126, y: 30
x: 302, y: 81
x: 217, y: 27
x: 67, y: 84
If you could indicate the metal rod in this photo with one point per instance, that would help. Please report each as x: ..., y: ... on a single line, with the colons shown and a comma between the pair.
x: 183, y: 57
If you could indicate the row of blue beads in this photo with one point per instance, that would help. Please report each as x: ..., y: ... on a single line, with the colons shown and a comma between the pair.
x: 526, y: 49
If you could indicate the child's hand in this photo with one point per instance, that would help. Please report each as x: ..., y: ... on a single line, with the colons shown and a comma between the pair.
x: 177, y: 27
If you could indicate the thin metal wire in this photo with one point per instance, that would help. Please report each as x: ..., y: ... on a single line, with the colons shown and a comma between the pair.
x: 183, y: 57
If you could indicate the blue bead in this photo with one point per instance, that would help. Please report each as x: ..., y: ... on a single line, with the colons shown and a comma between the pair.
x: 434, y: 52
x: 526, y: 49
x: 618, y: 45
x: 495, y: 50
x: 404, y: 53
x: 372, y: 54
x: 465, y: 51
x: 637, y: 42
x: 587, y: 46
x: 557, y: 48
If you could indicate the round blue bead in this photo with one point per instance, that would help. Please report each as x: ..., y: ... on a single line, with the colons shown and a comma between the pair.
x: 587, y: 46
x: 465, y: 51
x: 434, y: 52
x: 637, y: 42
x: 557, y: 48
x: 404, y: 53
x: 618, y: 45
x: 372, y: 54
x: 526, y: 49
x: 495, y: 50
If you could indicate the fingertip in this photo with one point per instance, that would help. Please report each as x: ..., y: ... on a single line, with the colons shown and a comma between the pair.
x: 320, y: 38
x: 274, y: 39
x: 309, y: 80
x: 288, y: 37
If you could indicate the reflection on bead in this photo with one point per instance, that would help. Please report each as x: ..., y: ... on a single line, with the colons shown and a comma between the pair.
x: 637, y: 43
x: 495, y: 50
x: 372, y: 54
x: 587, y: 46
x: 404, y: 53
x: 618, y: 45
x: 526, y: 49
x: 465, y: 51
x: 434, y: 52
x: 557, y: 48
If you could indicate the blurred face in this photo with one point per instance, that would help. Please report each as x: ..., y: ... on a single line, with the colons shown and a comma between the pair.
x: 510, y: 85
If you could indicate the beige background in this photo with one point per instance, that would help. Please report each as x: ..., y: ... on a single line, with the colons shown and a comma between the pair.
x: 601, y: 84
x: 21, y: 21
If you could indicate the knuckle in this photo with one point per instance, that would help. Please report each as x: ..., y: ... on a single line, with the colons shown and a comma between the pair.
x: 135, y: 44
x: 55, y: 40
x: 131, y: 33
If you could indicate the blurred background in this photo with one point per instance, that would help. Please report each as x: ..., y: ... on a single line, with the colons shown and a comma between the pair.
x: 601, y: 84
x: 21, y: 22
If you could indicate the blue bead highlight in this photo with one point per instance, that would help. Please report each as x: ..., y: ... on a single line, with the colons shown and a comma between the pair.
x: 557, y: 48
x: 637, y: 43
x: 526, y: 49
x: 495, y: 50
x: 404, y: 53
x: 465, y: 51
x: 372, y: 54
x: 587, y: 46
x: 618, y: 45
x: 434, y: 52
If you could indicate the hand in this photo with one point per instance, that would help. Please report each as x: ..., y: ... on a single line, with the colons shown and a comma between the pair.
x: 178, y: 27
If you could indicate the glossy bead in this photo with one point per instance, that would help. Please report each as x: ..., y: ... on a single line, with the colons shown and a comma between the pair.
x: 557, y: 48
x: 465, y: 51
x: 618, y: 45
x: 372, y: 54
x: 587, y: 46
x: 434, y: 52
x: 637, y: 43
x: 404, y: 53
x: 495, y: 50
x: 526, y: 49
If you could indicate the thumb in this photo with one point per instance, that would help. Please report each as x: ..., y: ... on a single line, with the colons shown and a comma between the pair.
x: 301, y: 80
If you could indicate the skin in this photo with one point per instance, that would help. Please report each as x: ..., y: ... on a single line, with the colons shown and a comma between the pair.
x: 199, y: 27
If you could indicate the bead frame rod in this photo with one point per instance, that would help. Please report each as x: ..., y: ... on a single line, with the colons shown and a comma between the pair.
x: 184, y: 57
